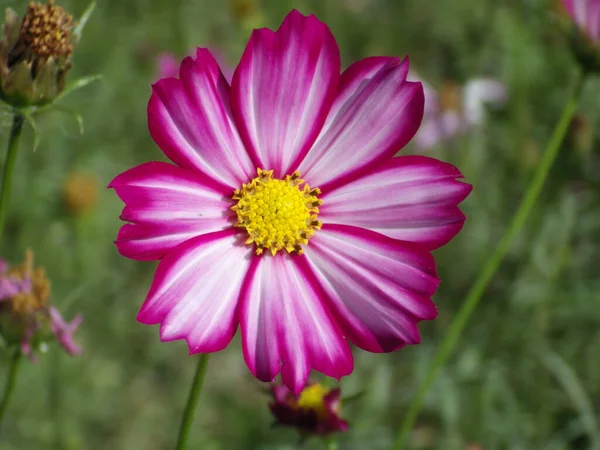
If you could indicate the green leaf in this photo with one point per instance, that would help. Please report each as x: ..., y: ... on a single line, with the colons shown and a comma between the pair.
x: 71, y: 112
x: 83, y: 20
x: 78, y: 84
x: 36, y: 134
x: 353, y: 398
x: 567, y: 377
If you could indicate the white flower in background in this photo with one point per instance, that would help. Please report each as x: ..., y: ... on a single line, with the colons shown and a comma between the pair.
x: 480, y: 92
x: 453, y: 110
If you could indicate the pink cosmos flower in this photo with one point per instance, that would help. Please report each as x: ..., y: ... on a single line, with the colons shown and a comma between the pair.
x: 304, y: 265
x: 586, y: 14
x: 315, y: 411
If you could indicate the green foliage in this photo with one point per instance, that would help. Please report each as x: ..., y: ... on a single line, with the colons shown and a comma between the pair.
x: 525, y: 374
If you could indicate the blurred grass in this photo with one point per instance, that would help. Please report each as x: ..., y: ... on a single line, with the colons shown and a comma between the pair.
x: 526, y: 373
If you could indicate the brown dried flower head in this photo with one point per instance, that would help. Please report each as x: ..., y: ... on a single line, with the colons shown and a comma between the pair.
x: 35, y: 298
x: 35, y: 54
x: 27, y: 318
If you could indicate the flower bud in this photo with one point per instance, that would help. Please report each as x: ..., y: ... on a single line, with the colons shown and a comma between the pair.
x: 35, y: 54
x: 315, y: 411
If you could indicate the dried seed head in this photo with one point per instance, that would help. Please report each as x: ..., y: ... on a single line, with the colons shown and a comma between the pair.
x: 35, y: 54
x: 46, y: 30
x: 36, y: 297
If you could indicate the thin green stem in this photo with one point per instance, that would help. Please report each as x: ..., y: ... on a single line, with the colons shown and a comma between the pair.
x: 9, y: 387
x: 331, y: 443
x: 190, y: 408
x: 55, y: 399
x: 489, y: 268
x: 9, y: 167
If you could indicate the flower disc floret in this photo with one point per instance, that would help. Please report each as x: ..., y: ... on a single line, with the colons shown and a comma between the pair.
x: 277, y: 214
x: 313, y: 398
x: 46, y: 30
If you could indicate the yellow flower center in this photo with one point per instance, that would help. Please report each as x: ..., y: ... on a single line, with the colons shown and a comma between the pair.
x: 313, y: 397
x: 277, y: 214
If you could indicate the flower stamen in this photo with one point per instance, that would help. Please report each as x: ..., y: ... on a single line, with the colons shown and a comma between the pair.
x: 277, y: 214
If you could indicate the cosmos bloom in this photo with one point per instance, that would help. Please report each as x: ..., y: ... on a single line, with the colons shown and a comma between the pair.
x: 285, y: 212
x: 454, y: 110
x: 586, y: 14
x: 26, y: 317
x: 315, y: 411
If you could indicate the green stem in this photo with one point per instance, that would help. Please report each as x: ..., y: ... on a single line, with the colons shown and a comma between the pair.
x: 10, y: 382
x: 331, y: 443
x: 9, y: 166
x: 489, y: 268
x: 190, y: 408
x: 55, y: 397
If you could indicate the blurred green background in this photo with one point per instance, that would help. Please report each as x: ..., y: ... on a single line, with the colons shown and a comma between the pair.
x: 526, y: 373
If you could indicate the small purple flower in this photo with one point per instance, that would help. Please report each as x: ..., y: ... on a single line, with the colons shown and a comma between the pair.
x: 10, y: 285
x: 315, y: 411
x: 64, y: 330
x: 26, y: 317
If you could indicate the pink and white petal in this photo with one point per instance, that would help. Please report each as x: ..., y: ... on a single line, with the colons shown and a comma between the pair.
x: 151, y: 242
x: 367, y: 128
x: 586, y: 14
x: 353, y: 80
x: 432, y: 106
x: 379, y: 288
x: 283, y: 89
x: 411, y: 198
x: 286, y: 326
x: 167, y: 205
x: 191, y: 121
x: 194, y: 295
